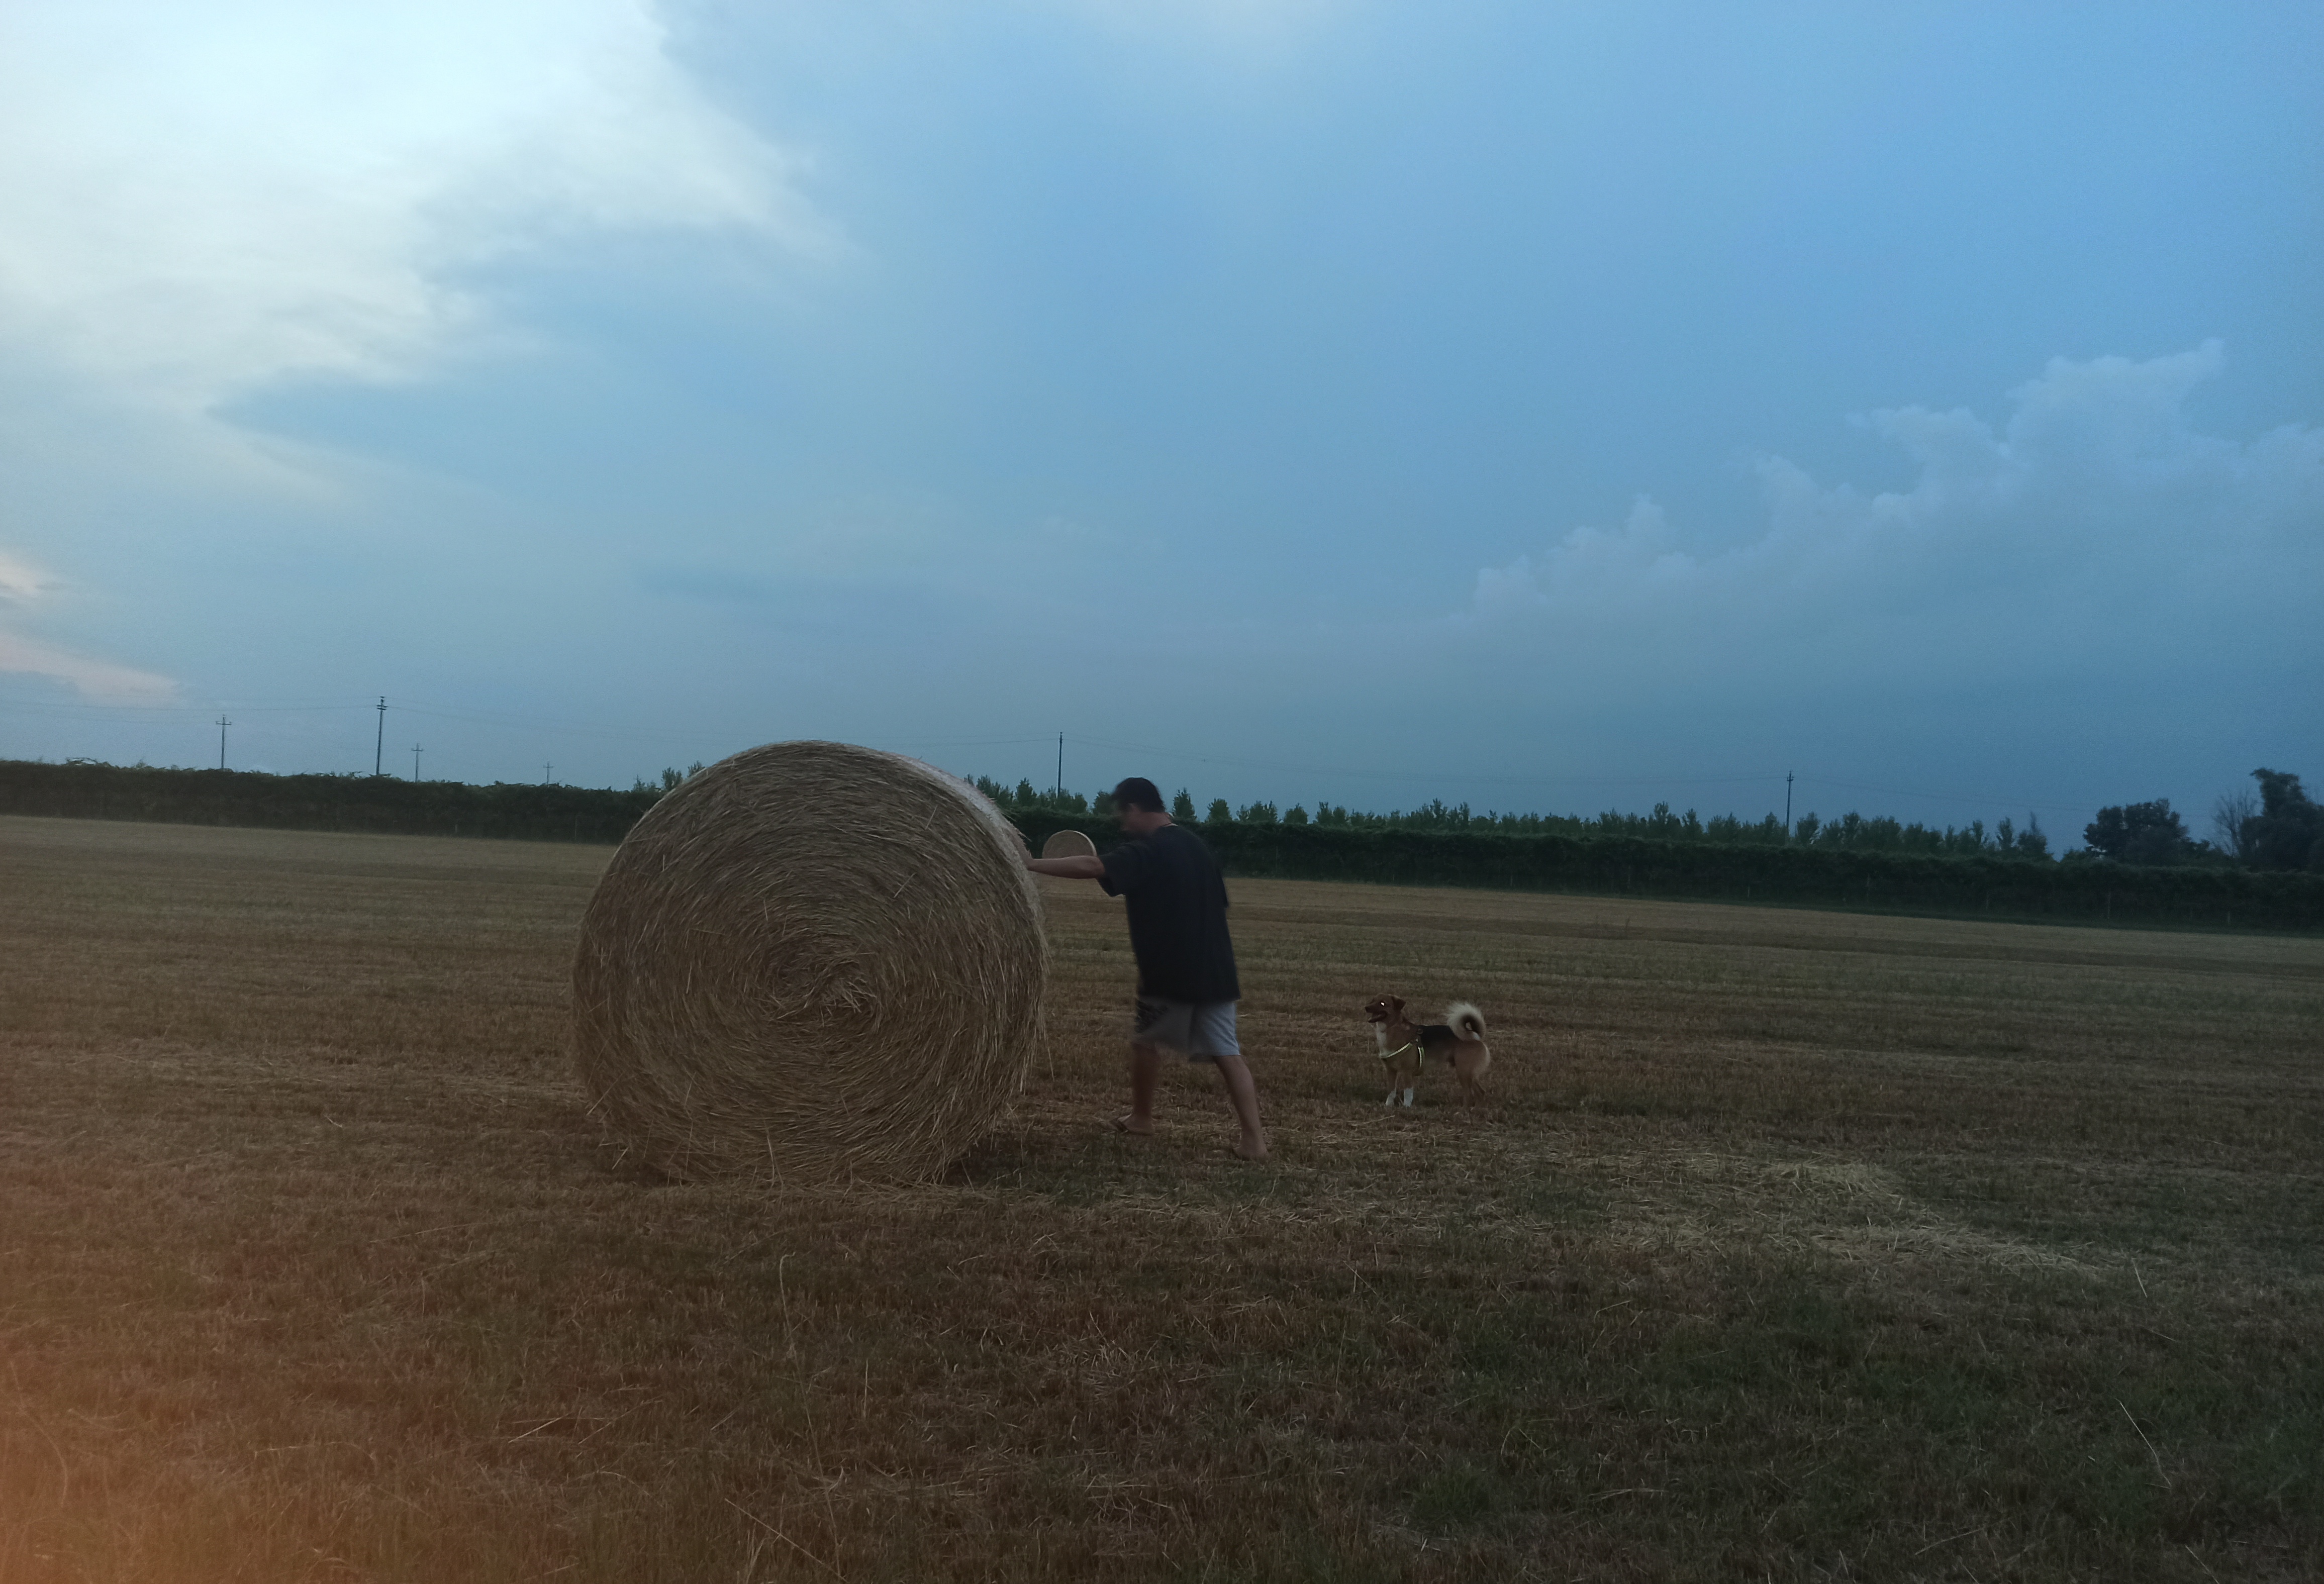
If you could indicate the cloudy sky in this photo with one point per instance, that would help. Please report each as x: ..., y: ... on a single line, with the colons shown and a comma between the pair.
x: 1549, y: 407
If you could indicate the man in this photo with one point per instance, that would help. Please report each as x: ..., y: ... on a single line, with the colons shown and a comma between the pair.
x: 1186, y: 984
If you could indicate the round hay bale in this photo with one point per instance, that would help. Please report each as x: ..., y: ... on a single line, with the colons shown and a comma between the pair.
x: 810, y: 960
x: 1068, y: 844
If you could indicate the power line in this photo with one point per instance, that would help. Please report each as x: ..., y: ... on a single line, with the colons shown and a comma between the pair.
x: 562, y: 728
x: 1981, y: 798
x: 1241, y: 762
x: 143, y: 714
x: 156, y: 714
x: 1278, y: 767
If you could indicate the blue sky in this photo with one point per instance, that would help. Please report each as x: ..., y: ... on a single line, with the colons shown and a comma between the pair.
x: 1548, y: 407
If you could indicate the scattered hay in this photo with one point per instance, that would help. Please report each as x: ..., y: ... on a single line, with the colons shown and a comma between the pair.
x: 1836, y: 1179
x: 810, y: 960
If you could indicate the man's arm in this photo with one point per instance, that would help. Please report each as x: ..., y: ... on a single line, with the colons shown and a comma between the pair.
x: 1071, y: 869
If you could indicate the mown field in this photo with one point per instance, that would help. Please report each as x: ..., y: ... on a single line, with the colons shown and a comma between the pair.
x: 1796, y: 1246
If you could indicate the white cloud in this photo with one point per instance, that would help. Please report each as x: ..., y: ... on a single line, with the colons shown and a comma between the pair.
x: 196, y: 200
x: 2095, y: 530
x: 97, y: 680
x: 19, y: 584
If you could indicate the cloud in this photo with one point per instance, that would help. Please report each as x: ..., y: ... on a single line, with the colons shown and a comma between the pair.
x: 195, y: 201
x: 2095, y: 532
x: 19, y: 584
x: 97, y: 680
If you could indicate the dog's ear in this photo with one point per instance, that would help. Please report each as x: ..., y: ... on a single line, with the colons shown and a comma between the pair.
x: 1399, y: 1003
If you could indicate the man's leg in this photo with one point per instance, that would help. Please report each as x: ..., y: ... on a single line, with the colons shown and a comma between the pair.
x: 1242, y: 1094
x: 1144, y: 1067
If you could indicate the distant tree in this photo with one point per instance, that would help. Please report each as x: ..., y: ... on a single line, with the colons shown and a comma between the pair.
x: 1805, y: 832
x: 1182, y: 805
x: 2289, y: 832
x: 1882, y: 833
x: 2138, y: 832
x: 670, y: 777
x: 1256, y: 813
x: 2231, y: 817
x: 1101, y: 806
x: 2031, y: 842
x: 1219, y: 814
x: 1297, y: 816
x: 2107, y: 834
x: 1025, y: 797
x: 2161, y: 838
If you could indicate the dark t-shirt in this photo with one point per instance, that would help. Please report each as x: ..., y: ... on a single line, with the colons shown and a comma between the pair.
x: 1178, y: 915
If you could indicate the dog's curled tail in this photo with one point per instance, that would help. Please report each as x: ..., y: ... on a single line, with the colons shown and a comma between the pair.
x: 1465, y: 1020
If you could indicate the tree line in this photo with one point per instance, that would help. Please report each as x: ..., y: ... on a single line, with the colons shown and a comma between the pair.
x: 1852, y: 833
x: 1852, y: 861
x: 2275, y: 826
x: 389, y: 804
x: 1990, y: 885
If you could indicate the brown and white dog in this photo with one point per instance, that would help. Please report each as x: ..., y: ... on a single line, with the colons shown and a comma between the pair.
x: 1459, y: 1041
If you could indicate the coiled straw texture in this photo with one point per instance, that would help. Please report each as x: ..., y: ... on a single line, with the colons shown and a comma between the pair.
x: 809, y: 961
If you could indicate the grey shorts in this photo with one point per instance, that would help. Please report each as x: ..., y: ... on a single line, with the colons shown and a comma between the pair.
x: 1200, y: 1031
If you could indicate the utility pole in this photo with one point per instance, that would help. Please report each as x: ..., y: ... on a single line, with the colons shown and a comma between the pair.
x: 415, y: 761
x: 222, y: 724
x: 1787, y: 806
x: 547, y: 765
x: 379, y: 748
x: 1061, y: 766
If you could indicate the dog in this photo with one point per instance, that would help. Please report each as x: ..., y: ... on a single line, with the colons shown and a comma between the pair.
x: 1459, y: 1041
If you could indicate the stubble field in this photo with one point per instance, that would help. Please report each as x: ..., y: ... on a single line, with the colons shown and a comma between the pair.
x: 1794, y: 1245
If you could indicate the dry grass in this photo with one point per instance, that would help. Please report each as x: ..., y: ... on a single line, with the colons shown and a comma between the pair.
x: 1797, y: 1246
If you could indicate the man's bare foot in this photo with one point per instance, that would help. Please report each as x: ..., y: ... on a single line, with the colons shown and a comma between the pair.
x: 1143, y: 1129
x: 1251, y: 1149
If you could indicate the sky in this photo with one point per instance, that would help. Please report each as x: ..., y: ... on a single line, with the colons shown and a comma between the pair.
x: 1545, y: 407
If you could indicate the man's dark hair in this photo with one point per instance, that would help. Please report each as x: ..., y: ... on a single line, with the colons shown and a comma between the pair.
x: 1138, y: 792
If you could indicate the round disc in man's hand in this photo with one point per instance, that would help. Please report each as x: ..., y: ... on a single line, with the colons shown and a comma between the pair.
x: 1068, y: 844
